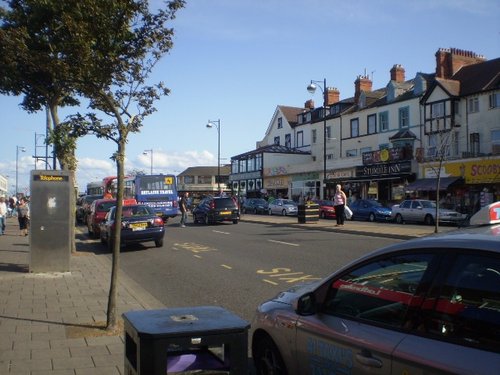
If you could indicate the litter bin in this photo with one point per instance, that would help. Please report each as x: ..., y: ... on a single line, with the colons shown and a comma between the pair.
x: 308, y: 213
x: 185, y: 339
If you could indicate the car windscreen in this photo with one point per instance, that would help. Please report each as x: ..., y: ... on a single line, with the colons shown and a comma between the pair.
x: 224, y: 203
x: 105, y: 206
x: 137, y: 211
x: 288, y: 201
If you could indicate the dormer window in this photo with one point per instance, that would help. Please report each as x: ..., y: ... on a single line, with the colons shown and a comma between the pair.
x: 420, y: 85
x: 391, y: 91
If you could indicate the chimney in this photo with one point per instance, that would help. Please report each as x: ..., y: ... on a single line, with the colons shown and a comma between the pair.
x: 309, y: 104
x: 332, y: 96
x: 451, y: 60
x: 361, y: 84
x: 398, y: 73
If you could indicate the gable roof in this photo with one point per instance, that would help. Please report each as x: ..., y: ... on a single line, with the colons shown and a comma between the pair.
x: 291, y: 114
x: 478, y: 77
x: 470, y: 79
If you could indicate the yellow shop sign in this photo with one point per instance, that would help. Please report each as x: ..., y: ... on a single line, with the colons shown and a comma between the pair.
x: 476, y: 172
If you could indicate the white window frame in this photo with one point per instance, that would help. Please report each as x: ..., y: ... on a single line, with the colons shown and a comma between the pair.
x: 404, y: 117
x: 473, y: 104
x: 354, y: 127
x: 383, y: 120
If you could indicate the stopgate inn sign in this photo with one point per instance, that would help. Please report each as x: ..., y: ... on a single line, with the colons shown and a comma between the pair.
x: 384, y: 170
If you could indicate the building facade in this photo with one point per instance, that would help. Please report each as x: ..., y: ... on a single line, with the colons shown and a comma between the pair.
x: 392, y: 142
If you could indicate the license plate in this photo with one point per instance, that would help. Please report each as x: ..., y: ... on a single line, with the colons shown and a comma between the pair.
x: 225, y: 212
x: 138, y: 226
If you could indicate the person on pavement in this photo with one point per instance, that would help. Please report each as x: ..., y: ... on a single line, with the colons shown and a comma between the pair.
x: 183, y: 205
x: 3, y: 215
x: 339, y: 202
x: 23, y: 216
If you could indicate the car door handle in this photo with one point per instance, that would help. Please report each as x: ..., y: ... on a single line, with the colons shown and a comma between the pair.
x: 366, y: 358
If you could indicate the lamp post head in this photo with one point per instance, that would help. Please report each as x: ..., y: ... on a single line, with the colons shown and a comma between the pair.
x: 210, y: 125
x: 311, y: 88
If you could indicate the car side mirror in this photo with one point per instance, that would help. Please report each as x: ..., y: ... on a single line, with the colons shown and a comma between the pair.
x: 306, y: 304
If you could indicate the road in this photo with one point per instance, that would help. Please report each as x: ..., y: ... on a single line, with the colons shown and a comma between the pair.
x: 238, y: 266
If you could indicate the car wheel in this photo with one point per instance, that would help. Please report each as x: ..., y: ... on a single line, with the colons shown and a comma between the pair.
x: 235, y: 221
x: 270, y: 212
x: 195, y: 220
x: 399, y: 219
x: 322, y: 215
x: 255, y: 211
x: 159, y: 243
x: 371, y: 217
x: 103, y: 241
x: 267, y: 358
x: 204, y: 220
x: 283, y: 213
x: 429, y: 220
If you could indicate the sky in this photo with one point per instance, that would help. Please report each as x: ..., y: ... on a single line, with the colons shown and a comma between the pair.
x: 237, y: 60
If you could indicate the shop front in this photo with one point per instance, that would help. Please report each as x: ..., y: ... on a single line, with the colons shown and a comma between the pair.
x: 305, y: 185
x: 277, y: 186
x: 477, y: 183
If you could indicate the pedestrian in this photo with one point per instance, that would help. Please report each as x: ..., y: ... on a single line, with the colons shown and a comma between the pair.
x: 183, y: 205
x: 339, y: 202
x: 23, y: 216
x: 3, y: 215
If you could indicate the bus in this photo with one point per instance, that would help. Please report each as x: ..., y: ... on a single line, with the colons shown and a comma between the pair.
x: 95, y: 188
x: 156, y: 191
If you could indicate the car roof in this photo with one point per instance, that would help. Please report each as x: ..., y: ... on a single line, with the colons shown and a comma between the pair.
x: 483, y: 234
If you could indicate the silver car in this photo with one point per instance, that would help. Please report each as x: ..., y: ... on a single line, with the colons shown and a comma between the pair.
x: 430, y: 305
x: 424, y: 211
x: 283, y: 207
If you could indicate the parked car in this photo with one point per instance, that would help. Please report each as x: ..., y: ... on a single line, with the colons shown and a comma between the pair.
x: 283, y: 207
x: 428, y: 305
x: 83, y: 207
x: 139, y: 224
x: 213, y: 210
x: 369, y: 209
x: 424, y: 211
x: 326, y: 209
x: 255, y: 206
x: 98, y: 210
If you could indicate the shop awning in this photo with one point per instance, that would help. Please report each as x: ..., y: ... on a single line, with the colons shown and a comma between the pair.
x: 429, y: 184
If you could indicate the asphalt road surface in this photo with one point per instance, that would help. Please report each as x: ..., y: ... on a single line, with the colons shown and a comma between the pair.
x: 238, y: 266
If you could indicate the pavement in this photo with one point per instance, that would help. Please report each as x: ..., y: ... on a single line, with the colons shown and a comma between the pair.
x: 53, y: 323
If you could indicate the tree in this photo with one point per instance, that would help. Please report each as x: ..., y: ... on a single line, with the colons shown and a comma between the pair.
x: 118, y: 58
x: 103, y: 50
x: 441, y: 141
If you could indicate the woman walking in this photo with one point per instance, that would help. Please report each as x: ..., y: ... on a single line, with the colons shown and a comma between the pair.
x: 339, y: 201
x: 23, y: 216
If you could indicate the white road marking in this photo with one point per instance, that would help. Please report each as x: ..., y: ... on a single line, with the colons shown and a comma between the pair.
x: 284, y: 243
x: 218, y: 231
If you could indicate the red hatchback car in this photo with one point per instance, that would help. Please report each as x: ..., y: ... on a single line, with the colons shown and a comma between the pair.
x: 326, y: 209
x: 98, y: 210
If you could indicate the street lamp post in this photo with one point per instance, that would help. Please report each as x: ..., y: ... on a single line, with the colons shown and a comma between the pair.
x: 22, y: 149
x: 210, y: 124
x: 312, y: 89
x: 150, y: 151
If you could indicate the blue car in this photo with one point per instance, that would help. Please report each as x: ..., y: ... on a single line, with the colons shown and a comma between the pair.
x: 371, y: 210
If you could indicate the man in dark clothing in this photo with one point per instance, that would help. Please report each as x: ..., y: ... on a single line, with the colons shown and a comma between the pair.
x: 183, y: 205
